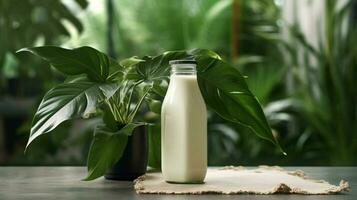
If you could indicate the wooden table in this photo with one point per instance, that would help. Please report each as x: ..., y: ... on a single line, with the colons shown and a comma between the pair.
x: 65, y: 183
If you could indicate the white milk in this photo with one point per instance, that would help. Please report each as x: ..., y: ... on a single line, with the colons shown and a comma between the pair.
x: 183, y: 127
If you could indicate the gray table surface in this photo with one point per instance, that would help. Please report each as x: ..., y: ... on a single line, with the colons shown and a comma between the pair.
x: 65, y: 183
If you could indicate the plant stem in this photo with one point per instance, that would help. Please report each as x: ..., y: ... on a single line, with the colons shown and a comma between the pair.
x: 130, y: 96
x: 132, y: 114
x: 116, y: 112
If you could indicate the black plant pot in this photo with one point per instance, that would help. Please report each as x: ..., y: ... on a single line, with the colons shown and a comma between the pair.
x: 133, y: 163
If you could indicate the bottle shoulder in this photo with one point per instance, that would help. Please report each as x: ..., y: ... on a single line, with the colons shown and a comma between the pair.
x: 183, y: 91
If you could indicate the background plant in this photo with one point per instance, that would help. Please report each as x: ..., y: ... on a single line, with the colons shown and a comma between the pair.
x: 324, y: 85
x: 149, y: 27
x: 29, y: 23
x: 32, y: 23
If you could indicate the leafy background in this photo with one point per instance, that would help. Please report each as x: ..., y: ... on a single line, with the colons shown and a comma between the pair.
x: 307, y: 88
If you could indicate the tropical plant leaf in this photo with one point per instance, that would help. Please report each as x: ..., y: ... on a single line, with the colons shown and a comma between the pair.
x: 154, y: 105
x: 154, y: 137
x: 129, y: 128
x: 128, y: 72
x: 83, y: 60
x: 107, y: 148
x: 157, y: 68
x: 226, y: 92
x: 67, y: 101
x: 128, y: 62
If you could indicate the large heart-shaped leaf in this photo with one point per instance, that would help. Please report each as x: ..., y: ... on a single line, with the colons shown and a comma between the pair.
x: 107, y: 148
x: 67, y: 101
x: 83, y: 60
x: 225, y: 91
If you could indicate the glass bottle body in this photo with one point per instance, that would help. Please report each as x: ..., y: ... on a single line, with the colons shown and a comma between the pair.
x: 184, y: 128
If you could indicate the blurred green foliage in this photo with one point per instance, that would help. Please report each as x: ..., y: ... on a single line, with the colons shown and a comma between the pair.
x: 24, y: 79
x: 324, y: 86
x: 30, y: 23
x: 308, y: 91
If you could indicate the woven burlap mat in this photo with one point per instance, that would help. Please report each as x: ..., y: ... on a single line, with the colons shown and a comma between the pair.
x: 239, y: 180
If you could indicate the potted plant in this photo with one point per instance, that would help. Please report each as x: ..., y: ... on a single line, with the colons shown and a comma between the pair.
x: 97, y: 84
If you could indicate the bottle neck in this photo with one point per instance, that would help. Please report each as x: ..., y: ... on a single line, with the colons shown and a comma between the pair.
x: 183, y: 69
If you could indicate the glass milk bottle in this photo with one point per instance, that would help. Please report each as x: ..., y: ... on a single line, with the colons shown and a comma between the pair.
x: 183, y: 127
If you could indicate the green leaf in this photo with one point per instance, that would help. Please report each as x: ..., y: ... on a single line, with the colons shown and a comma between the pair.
x: 129, y: 72
x: 129, y: 62
x: 226, y: 92
x: 154, y: 136
x: 129, y: 128
x: 82, y: 60
x: 154, y: 105
x: 107, y: 148
x: 67, y: 101
x: 157, y: 68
